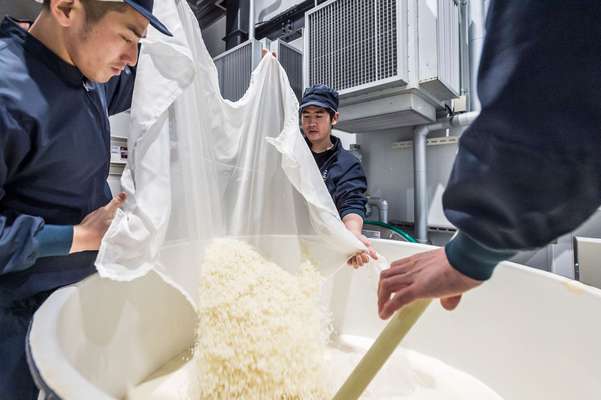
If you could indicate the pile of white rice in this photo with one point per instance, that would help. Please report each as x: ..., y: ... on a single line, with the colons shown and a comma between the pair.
x: 262, y: 335
x: 261, y: 331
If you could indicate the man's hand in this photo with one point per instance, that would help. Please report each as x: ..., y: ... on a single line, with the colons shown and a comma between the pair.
x: 354, y: 223
x: 362, y: 258
x: 424, y: 275
x: 89, y: 234
x: 264, y: 52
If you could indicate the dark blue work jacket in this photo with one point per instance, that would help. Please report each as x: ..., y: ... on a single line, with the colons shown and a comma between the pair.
x: 54, y: 162
x: 344, y: 178
x: 529, y: 168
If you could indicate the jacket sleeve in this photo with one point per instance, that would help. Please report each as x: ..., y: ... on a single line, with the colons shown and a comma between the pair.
x: 23, y: 238
x: 529, y: 168
x: 120, y: 90
x: 349, y: 193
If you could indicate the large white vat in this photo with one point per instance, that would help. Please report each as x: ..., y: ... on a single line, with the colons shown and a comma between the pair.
x: 527, y: 334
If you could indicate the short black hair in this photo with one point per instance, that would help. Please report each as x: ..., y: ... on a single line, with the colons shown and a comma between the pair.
x: 95, y: 10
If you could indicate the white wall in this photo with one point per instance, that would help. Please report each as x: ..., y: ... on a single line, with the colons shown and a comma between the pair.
x: 346, y: 138
x: 390, y: 174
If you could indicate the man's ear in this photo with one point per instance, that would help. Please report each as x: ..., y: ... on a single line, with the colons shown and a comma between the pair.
x: 335, y: 118
x: 63, y: 11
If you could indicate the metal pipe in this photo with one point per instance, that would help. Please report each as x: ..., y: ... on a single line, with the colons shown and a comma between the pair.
x: 251, y: 20
x: 464, y: 119
x: 477, y: 16
x: 464, y: 51
x: 420, y: 198
x: 382, y: 206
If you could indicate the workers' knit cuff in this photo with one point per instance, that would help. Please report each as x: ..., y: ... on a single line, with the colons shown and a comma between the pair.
x: 473, y: 259
x: 54, y: 240
x: 357, y: 211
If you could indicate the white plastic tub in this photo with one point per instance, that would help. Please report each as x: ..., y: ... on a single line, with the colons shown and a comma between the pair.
x: 527, y: 334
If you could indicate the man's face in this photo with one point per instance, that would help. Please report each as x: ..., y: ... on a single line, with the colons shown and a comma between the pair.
x: 102, y: 49
x: 317, y: 123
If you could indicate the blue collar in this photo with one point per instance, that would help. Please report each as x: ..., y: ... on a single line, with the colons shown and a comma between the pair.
x: 69, y: 73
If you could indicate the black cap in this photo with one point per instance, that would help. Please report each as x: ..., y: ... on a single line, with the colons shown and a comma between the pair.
x: 320, y: 95
x: 143, y: 7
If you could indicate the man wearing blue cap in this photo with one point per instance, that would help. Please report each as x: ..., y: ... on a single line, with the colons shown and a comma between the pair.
x: 59, y: 82
x: 341, y: 171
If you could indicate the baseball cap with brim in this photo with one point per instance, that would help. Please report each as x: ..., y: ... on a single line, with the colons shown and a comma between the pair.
x: 320, y: 95
x: 144, y: 8
x: 315, y: 103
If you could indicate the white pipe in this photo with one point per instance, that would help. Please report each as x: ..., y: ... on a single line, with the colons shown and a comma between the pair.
x: 464, y: 119
x: 251, y: 20
x: 420, y: 198
x: 464, y: 49
x: 382, y: 206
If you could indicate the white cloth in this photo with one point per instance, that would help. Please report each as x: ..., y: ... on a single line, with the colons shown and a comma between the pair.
x: 202, y: 167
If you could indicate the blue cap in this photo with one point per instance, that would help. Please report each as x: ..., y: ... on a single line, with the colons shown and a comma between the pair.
x: 320, y: 95
x: 144, y: 7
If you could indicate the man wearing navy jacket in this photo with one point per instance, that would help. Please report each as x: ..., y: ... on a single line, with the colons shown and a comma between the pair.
x: 341, y: 171
x: 528, y: 169
x: 59, y: 82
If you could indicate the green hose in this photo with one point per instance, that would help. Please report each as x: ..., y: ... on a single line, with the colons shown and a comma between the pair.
x: 393, y: 228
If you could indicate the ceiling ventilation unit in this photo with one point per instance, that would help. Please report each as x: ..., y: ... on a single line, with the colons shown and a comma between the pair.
x: 393, y: 61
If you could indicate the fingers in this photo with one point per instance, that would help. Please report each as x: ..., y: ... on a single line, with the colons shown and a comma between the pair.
x: 400, y: 299
x: 264, y: 52
x: 396, y: 269
x: 364, y: 240
x: 372, y: 252
x: 391, y: 285
x: 117, y: 202
x: 403, y: 261
x: 357, y: 261
x: 450, y: 303
x: 362, y: 259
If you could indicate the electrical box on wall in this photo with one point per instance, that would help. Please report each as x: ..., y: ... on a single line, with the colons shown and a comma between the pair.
x: 394, y: 62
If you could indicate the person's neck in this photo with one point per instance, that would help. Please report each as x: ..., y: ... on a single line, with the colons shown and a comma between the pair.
x: 322, y: 145
x: 51, y: 35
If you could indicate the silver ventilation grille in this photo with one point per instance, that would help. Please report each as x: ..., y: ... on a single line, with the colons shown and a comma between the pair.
x: 353, y: 43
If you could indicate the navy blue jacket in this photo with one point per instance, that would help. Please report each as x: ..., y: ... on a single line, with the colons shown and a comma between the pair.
x: 344, y: 178
x: 529, y: 168
x: 54, y: 162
